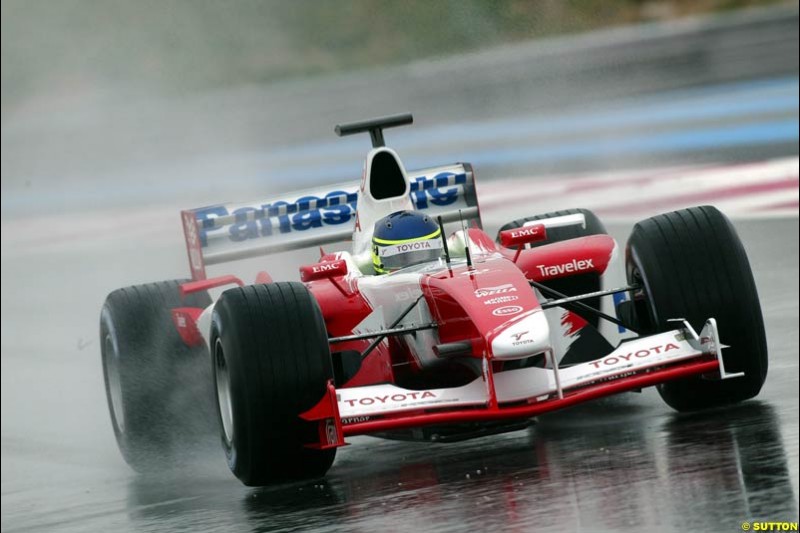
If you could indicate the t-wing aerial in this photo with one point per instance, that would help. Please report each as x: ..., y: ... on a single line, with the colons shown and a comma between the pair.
x: 375, y: 127
x: 384, y: 185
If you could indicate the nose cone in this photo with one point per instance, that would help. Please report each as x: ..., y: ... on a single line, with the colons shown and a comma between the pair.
x: 523, y: 338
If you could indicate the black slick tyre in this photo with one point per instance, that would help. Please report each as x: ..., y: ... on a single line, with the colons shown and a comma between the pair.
x: 691, y: 264
x: 159, y: 390
x: 271, y: 362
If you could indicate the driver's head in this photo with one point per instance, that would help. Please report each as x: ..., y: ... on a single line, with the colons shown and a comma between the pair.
x: 403, y: 239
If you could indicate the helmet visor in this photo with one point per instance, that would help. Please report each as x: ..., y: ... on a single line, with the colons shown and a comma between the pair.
x: 397, y: 256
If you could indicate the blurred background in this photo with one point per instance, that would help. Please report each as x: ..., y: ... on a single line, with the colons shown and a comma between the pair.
x: 118, y: 103
x: 116, y: 115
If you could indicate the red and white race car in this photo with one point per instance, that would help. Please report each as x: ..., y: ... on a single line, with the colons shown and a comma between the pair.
x: 550, y: 314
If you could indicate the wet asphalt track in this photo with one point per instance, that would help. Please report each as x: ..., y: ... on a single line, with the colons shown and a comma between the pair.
x: 626, y: 463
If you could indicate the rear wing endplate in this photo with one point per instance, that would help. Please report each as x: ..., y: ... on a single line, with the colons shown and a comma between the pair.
x: 227, y: 232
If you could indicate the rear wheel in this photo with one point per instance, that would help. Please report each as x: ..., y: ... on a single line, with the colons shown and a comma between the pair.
x: 691, y: 264
x: 271, y: 362
x: 158, y: 389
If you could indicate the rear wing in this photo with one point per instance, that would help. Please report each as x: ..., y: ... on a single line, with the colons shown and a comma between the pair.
x: 227, y: 232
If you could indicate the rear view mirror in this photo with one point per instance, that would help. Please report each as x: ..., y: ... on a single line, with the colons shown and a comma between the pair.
x: 524, y: 235
x: 327, y: 269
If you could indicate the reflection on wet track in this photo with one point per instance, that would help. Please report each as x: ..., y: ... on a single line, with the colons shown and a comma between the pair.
x: 570, y: 474
x: 607, y: 466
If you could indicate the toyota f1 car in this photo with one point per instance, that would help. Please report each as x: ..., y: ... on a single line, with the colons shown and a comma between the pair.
x: 551, y: 313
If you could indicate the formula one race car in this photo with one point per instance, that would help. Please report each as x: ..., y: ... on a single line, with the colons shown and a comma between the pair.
x: 475, y: 336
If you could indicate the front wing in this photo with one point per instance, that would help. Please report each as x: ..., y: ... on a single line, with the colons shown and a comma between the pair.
x: 522, y: 393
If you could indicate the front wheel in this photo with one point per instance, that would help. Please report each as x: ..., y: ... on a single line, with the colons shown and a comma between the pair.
x: 271, y: 362
x: 691, y: 264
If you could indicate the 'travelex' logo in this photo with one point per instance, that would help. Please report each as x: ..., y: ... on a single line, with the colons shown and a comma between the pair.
x: 572, y: 266
x: 490, y: 291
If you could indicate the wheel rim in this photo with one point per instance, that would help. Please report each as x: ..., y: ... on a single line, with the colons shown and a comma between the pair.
x: 223, y: 392
x: 114, y: 382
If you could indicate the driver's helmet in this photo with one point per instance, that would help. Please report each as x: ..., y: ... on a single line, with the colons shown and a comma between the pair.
x: 405, y: 238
